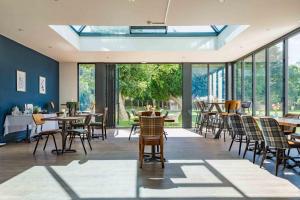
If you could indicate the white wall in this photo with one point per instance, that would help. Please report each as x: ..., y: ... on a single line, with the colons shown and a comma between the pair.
x: 68, y: 82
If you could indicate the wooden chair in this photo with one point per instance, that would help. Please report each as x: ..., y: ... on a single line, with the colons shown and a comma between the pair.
x: 152, y: 129
x: 275, y: 138
x: 37, y: 118
x: 231, y: 107
x: 253, y: 134
x: 238, y: 129
x: 82, y: 133
x: 134, y: 125
x: 287, y: 129
x: 101, y: 124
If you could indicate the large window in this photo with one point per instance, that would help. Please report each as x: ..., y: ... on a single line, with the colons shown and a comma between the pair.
x: 217, y: 82
x: 260, y: 64
x: 248, y: 80
x: 238, y: 80
x: 87, y: 87
x: 199, y: 82
x: 208, y: 83
x: 294, y: 74
x: 144, y: 85
x: 276, y: 79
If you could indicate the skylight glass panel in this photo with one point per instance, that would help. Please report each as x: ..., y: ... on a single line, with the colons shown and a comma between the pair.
x: 77, y: 27
x: 148, y: 30
x: 107, y: 30
x: 219, y: 27
x: 190, y: 29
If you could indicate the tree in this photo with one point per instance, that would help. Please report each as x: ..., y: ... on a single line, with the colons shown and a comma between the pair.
x: 158, y: 82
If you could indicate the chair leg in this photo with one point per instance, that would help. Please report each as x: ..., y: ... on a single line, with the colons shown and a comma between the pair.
x: 246, y: 149
x: 89, y: 144
x: 284, y: 158
x: 132, y: 127
x: 162, y: 154
x: 54, y: 143
x: 233, y: 138
x: 46, y: 143
x: 240, y: 146
x: 37, y: 143
x: 71, y: 141
x: 142, y: 154
x: 82, y: 144
x: 277, y: 161
x: 105, y: 132
x: 264, y: 156
x: 254, y: 151
x: 102, y: 131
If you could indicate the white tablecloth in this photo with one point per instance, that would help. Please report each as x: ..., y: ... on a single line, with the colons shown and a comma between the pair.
x: 14, y: 124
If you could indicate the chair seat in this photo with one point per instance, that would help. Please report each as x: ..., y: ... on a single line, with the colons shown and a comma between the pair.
x: 296, y: 135
x: 96, y: 124
x: 50, y: 132
x: 78, y: 131
x: 78, y: 124
x: 294, y: 144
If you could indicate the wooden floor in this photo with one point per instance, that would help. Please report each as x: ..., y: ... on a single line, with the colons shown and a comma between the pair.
x: 196, y: 168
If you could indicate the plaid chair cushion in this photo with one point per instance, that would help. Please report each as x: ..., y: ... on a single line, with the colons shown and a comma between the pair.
x: 253, y: 131
x: 151, y: 126
x: 273, y: 135
x: 236, y: 124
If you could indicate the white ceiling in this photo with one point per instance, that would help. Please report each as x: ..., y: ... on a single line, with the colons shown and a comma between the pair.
x: 268, y: 20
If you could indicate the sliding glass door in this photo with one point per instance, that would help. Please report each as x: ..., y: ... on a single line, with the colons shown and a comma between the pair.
x: 144, y: 85
x: 86, y: 79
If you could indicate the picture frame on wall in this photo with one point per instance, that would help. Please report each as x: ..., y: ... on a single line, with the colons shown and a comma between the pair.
x: 21, y: 81
x: 42, y: 81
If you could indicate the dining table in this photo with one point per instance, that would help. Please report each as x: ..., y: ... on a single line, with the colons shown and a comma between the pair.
x: 64, y: 120
x: 217, y: 105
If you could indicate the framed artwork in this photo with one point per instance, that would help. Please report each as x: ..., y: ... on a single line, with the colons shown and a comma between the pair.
x: 21, y: 81
x: 42, y: 85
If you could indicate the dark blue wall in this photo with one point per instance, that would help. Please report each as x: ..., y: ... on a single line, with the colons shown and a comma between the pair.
x: 13, y: 57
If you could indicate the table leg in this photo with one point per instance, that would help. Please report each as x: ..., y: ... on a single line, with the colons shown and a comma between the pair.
x: 152, y: 157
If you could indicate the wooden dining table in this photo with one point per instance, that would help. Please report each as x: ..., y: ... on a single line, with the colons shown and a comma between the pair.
x: 216, y: 105
x: 64, y: 133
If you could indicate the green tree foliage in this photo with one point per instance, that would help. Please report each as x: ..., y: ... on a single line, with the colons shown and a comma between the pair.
x: 86, y: 86
x: 150, y: 81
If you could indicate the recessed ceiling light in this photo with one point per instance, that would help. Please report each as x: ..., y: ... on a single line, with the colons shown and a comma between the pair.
x: 221, y: 1
x: 144, y: 62
x: 131, y: 1
x: 20, y: 29
x: 267, y: 29
x: 50, y: 47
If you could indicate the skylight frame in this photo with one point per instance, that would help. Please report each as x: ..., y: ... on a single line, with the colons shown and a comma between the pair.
x: 215, y: 32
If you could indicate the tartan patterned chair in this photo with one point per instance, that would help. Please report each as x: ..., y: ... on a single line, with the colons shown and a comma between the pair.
x: 275, y: 138
x: 238, y: 129
x: 253, y: 133
x: 152, y: 129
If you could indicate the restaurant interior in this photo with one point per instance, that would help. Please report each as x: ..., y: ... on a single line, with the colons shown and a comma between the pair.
x: 160, y: 99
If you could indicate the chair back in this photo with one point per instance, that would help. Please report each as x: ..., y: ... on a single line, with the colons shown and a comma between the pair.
x: 246, y: 104
x: 201, y: 105
x: 87, y: 120
x: 253, y: 131
x: 128, y: 115
x: 38, y: 119
x: 151, y: 126
x: 166, y: 114
x: 273, y: 135
x: 73, y: 107
x: 232, y: 106
x: 288, y: 128
x: 104, y: 119
x: 236, y: 124
x: 149, y: 113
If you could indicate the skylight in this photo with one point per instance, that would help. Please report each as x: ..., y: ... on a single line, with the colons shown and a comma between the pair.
x: 145, y: 31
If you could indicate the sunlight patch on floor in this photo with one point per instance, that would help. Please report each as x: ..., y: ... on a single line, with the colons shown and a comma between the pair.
x: 196, y: 175
x: 253, y: 181
x: 34, y: 183
x: 171, y: 132
x: 190, y: 192
x: 101, y: 178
